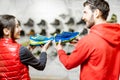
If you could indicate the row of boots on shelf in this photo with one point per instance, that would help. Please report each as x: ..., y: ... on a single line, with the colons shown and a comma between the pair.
x: 56, y: 22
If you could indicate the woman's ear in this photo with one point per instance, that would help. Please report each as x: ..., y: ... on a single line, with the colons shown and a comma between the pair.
x: 6, y: 32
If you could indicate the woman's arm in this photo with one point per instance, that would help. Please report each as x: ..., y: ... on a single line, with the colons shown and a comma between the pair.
x: 28, y: 58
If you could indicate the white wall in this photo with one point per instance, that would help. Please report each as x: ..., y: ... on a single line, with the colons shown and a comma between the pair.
x: 35, y: 9
x: 114, y: 8
x: 48, y: 9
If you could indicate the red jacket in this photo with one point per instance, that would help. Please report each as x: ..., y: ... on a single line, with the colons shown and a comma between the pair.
x: 98, y: 53
x: 10, y: 66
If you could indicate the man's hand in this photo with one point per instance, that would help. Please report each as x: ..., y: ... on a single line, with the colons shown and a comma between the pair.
x: 58, y: 46
x: 74, y: 42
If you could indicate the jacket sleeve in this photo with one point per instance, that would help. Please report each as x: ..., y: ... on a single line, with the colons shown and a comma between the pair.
x: 28, y: 58
x: 81, y: 53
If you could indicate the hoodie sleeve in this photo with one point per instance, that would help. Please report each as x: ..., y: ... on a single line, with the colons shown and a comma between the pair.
x: 81, y: 53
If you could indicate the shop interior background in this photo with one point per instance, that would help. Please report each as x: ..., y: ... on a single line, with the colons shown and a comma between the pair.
x: 68, y: 12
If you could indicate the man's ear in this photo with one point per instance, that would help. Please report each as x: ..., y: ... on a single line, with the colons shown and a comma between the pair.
x: 97, y: 13
x: 6, y: 31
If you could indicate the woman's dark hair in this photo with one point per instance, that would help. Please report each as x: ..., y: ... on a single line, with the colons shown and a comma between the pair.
x: 7, y: 21
x: 102, y: 5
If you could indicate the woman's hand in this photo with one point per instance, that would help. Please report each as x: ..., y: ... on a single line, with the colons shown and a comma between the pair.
x: 31, y: 48
x: 45, y: 47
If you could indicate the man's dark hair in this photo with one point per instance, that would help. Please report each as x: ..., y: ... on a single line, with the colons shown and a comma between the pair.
x: 102, y: 5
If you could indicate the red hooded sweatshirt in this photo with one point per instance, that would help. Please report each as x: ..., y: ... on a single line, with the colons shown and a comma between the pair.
x: 98, y: 53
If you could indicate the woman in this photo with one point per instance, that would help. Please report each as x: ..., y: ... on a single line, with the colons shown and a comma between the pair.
x: 14, y: 58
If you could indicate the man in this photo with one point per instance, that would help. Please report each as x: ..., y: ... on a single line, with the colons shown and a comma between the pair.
x: 98, y: 53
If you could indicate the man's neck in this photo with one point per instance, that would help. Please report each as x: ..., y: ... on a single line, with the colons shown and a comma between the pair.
x: 100, y: 21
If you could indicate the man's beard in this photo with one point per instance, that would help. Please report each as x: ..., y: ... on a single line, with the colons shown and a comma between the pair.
x: 91, y: 22
x: 90, y: 25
